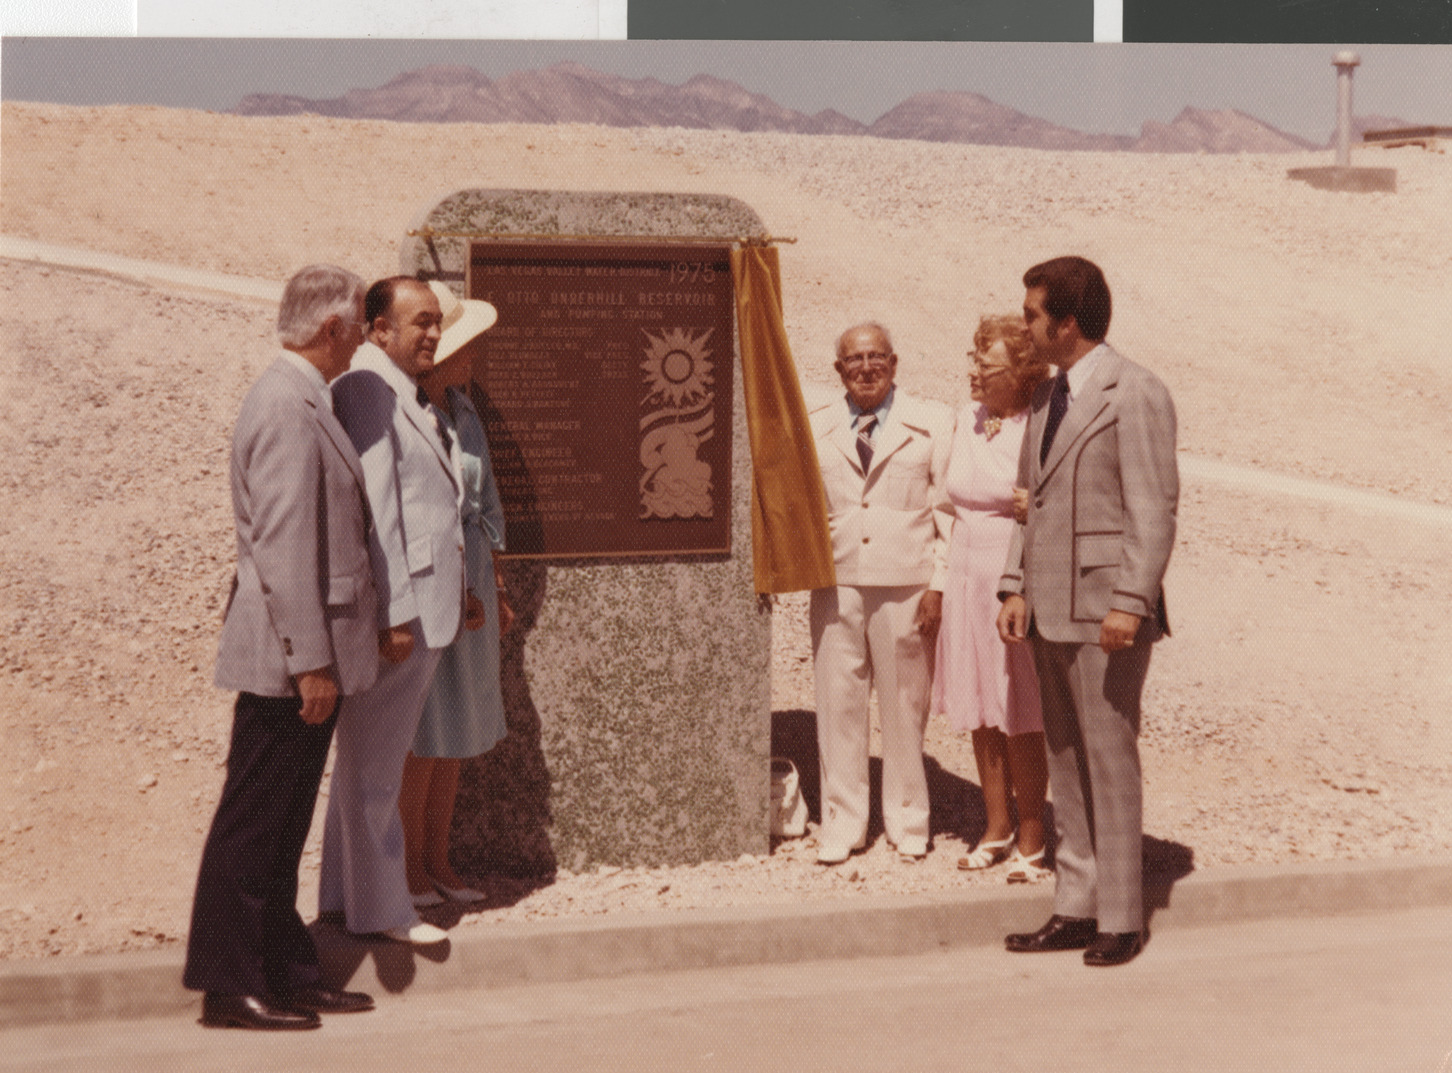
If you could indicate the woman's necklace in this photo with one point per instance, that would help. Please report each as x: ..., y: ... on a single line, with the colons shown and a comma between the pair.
x: 991, y: 425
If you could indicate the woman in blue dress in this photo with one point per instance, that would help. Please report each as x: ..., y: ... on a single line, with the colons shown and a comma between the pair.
x: 464, y: 714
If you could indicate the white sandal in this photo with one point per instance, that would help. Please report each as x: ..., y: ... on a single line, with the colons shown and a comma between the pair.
x: 986, y: 855
x: 1023, y: 869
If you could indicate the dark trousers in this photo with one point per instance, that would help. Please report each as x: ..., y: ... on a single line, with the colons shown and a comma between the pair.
x: 247, y: 937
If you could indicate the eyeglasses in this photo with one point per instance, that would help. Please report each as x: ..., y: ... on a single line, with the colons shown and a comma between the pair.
x: 872, y: 357
x: 988, y: 372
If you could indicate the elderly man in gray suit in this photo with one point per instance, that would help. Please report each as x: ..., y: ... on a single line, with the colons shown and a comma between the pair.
x: 1083, y: 582
x: 298, y: 632
x: 417, y: 547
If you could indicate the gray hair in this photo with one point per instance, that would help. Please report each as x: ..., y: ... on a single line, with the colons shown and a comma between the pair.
x: 870, y: 324
x: 314, y: 294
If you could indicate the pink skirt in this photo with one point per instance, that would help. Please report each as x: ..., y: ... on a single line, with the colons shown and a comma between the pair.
x: 979, y: 681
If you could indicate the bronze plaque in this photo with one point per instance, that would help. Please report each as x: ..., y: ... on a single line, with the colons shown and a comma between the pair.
x: 606, y: 389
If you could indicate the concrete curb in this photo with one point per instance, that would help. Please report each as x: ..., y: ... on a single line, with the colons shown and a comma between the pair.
x: 128, y: 986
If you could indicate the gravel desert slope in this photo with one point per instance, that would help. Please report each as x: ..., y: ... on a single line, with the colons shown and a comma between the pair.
x: 1299, y: 712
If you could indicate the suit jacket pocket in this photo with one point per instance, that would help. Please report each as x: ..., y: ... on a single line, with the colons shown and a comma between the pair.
x: 1097, y: 549
x: 1096, y: 562
x: 420, y: 555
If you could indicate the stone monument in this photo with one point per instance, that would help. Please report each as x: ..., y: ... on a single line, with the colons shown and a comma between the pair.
x: 637, y: 679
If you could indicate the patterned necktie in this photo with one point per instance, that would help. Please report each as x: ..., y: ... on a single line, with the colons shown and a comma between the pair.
x: 1058, y: 404
x: 444, y: 437
x: 864, y: 443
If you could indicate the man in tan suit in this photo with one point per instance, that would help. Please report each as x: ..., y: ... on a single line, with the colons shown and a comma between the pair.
x: 1082, y: 582
x: 884, y: 458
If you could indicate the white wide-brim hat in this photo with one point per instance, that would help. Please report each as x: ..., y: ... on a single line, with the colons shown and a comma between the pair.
x: 464, y: 318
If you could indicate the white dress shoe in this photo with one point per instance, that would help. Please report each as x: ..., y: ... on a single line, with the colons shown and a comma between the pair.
x: 830, y: 854
x: 456, y: 894
x: 427, y: 900
x: 417, y: 933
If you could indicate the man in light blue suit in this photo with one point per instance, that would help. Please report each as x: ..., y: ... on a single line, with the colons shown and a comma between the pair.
x: 417, y: 548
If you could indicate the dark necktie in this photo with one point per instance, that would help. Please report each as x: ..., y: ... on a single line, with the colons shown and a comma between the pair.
x: 444, y: 437
x: 1058, y: 404
x: 864, y: 442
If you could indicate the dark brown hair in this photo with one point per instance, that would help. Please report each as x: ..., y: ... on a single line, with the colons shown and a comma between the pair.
x: 1074, y: 287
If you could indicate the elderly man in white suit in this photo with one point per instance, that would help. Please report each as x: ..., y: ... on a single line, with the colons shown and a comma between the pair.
x: 417, y: 548
x: 1083, y: 584
x: 884, y: 457
x: 298, y: 633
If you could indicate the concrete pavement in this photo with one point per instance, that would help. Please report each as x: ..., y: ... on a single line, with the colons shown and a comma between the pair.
x: 482, y: 957
x: 1360, y: 992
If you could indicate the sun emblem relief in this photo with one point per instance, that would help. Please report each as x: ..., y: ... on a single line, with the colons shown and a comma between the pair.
x: 674, y: 482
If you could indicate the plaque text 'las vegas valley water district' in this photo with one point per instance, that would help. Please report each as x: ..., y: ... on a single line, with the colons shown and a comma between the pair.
x: 607, y: 395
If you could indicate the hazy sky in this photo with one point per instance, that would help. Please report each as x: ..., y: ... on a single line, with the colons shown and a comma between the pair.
x: 1111, y: 88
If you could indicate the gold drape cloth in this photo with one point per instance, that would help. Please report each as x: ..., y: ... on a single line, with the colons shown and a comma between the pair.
x: 790, y: 541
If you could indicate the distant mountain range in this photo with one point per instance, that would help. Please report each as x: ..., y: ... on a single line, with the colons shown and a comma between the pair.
x: 572, y: 93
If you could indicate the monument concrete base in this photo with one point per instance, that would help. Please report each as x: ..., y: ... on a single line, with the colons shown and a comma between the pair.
x: 1354, y: 180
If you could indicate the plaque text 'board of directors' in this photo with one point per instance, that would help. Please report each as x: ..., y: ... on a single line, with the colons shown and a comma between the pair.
x: 608, y: 382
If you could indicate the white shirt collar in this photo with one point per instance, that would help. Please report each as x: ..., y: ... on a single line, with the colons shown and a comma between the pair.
x: 372, y: 357
x: 1083, y: 369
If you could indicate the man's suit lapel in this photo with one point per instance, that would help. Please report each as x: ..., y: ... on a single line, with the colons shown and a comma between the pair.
x: 332, y: 430
x: 843, y: 437
x: 373, y: 358
x: 423, y: 421
x: 896, y: 433
x: 1092, y: 401
x: 324, y: 416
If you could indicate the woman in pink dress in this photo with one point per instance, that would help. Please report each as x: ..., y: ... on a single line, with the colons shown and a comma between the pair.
x: 981, y: 684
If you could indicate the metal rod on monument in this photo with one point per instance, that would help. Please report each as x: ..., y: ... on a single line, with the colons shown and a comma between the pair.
x: 1345, y: 63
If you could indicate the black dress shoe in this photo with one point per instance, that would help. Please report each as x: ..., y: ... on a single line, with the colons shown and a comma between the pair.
x: 325, y: 1000
x: 1060, y: 933
x: 249, y: 1011
x: 1114, y: 948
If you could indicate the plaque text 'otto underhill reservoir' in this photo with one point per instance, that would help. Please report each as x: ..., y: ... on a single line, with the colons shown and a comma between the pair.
x: 608, y: 383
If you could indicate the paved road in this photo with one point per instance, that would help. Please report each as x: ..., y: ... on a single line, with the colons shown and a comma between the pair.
x: 1357, y: 993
